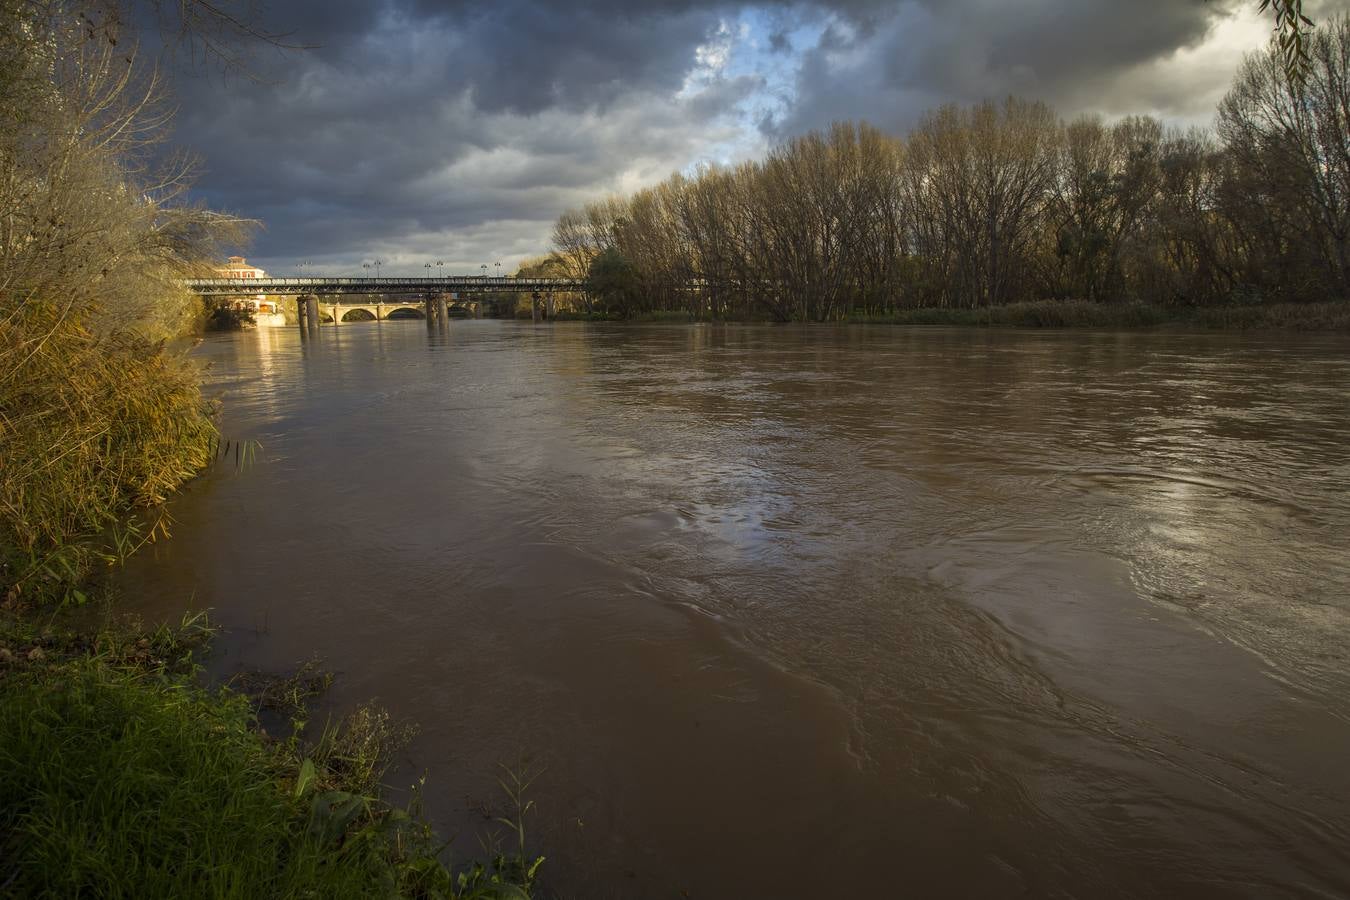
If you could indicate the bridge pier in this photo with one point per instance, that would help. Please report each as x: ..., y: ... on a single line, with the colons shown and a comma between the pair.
x: 437, y: 308
x: 534, y: 307
x: 307, y: 313
x: 337, y: 314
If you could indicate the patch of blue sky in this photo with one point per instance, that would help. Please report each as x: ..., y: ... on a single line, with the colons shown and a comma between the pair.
x: 758, y: 52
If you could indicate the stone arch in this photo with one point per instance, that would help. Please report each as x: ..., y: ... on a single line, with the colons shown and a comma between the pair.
x: 405, y: 312
x: 359, y: 314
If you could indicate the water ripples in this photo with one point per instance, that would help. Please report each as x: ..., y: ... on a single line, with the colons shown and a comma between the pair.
x: 1057, y: 614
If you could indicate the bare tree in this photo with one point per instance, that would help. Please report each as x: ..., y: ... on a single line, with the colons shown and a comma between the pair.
x: 1001, y: 202
x: 1289, y: 143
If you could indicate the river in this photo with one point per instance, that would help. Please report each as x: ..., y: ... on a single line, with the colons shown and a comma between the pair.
x: 806, y: 611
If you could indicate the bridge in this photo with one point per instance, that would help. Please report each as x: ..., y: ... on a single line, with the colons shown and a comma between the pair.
x: 379, y: 309
x: 465, y: 284
x: 434, y: 292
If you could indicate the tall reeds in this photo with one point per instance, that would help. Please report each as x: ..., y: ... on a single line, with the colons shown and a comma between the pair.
x: 97, y: 418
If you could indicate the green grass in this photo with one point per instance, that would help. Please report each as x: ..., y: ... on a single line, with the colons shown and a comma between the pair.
x: 571, y: 315
x: 1031, y: 314
x: 662, y: 316
x: 1327, y: 316
x: 121, y: 776
x: 118, y: 787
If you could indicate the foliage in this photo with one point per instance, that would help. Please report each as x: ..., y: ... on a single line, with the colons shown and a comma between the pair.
x: 121, y: 777
x: 613, y: 279
x: 225, y: 318
x: 1000, y: 204
x: 1291, y: 32
x: 567, y: 304
x: 96, y: 417
x: 1284, y: 190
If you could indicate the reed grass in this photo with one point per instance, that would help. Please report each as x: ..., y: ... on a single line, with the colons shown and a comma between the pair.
x: 90, y: 430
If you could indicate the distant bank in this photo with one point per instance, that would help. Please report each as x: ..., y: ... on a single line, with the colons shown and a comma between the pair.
x: 1330, y: 316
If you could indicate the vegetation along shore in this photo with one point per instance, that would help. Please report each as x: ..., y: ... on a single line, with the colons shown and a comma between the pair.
x: 1331, y: 316
x: 122, y: 773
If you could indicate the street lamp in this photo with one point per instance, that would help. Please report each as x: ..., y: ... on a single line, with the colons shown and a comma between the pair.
x: 499, y: 270
x: 427, y: 266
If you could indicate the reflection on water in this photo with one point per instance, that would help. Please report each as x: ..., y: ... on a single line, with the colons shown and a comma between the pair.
x: 793, y: 612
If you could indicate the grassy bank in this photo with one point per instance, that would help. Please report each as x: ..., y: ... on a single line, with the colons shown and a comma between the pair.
x: 121, y: 775
x: 1329, y: 316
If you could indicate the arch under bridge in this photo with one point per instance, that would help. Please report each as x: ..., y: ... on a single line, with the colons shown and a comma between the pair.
x: 395, y: 309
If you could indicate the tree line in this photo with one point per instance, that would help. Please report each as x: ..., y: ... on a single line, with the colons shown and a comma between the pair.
x: 997, y: 203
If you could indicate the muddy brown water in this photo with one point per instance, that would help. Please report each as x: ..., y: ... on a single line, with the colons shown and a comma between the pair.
x: 812, y: 612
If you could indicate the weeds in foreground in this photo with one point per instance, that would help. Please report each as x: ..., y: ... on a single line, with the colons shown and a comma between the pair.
x: 121, y: 776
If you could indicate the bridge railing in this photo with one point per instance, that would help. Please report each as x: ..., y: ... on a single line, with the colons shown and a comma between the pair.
x: 488, y: 281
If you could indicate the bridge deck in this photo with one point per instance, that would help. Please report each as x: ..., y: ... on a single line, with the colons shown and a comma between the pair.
x: 468, y: 284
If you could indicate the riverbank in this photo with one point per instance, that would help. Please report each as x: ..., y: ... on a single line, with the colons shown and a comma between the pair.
x: 122, y: 774
x: 1327, y: 316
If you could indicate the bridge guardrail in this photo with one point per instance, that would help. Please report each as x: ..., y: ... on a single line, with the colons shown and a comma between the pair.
x: 340, y: 285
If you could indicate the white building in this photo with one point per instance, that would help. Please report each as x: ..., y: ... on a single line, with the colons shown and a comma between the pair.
x: 238, y: 267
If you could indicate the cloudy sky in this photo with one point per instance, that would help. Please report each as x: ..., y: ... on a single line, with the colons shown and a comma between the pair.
x: 423, y: 130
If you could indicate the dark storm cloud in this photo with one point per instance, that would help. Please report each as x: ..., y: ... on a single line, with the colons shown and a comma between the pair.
x: 411, y: 122
x: 1071, y: 53
x: 458, y: 130
x: 432, y: 119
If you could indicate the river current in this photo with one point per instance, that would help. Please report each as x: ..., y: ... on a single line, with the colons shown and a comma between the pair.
x: 811, y: 612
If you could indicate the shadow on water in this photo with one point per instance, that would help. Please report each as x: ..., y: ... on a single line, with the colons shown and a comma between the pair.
x: 791, y: 612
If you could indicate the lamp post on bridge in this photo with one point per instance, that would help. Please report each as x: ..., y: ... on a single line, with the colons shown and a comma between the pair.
x: 499, y: 270
x: 374, y: 264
